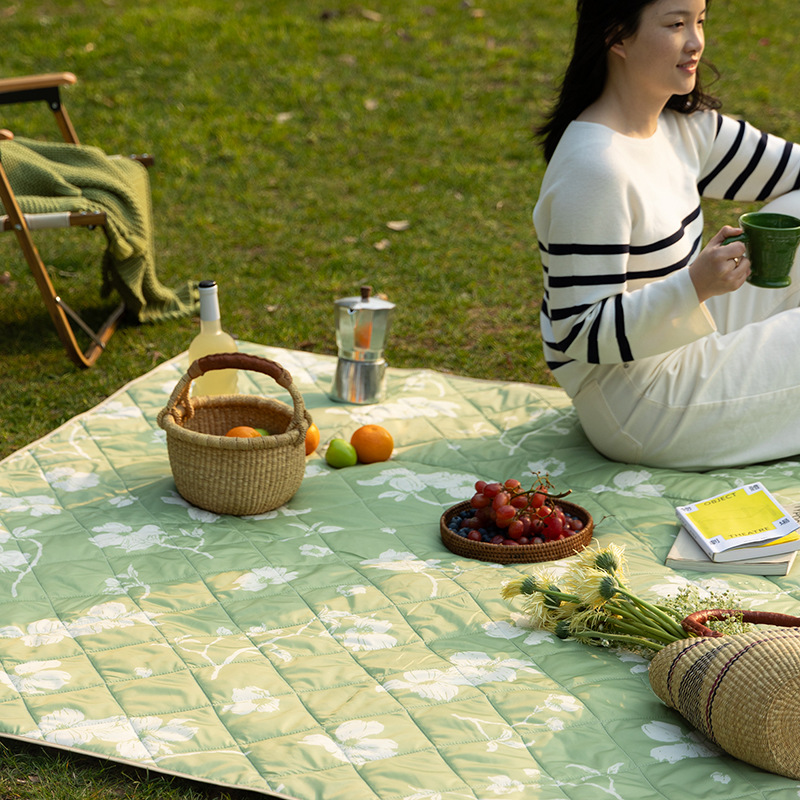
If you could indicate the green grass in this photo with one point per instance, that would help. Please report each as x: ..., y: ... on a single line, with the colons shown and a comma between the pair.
x: 287, y: 134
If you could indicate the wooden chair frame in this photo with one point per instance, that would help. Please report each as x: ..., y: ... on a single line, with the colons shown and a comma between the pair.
x: 46, y: 88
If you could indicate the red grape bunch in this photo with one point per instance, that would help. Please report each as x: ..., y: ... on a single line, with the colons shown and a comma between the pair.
x: 505, y: 513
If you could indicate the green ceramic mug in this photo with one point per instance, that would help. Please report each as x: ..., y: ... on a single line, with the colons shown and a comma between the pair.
x: 771, y: 241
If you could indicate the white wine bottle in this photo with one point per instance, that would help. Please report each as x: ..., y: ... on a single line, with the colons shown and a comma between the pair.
x: 212, y: 339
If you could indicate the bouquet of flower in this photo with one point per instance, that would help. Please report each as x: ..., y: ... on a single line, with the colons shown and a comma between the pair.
x: 591, y: 603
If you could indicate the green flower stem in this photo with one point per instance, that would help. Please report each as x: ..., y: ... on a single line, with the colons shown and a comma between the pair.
x: 641, y: 630
x: 670, y: 623
x: 632, y: 612
x: 636, y: 641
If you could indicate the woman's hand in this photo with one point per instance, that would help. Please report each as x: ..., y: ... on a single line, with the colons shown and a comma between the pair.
x: 720, y: 268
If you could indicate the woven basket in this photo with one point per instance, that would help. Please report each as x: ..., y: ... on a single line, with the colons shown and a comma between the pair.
x: 233, y: 475
x: 521, y: 553
x: 741, y: 691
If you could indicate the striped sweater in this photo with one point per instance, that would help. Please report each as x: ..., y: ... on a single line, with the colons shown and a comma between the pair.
x: 618, y: 221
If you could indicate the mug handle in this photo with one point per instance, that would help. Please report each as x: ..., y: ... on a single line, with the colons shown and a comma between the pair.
x: 742, y: 237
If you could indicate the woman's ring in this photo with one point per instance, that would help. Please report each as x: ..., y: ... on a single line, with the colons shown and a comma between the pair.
x: 736, y: 261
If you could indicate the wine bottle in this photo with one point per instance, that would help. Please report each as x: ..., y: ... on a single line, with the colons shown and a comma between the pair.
x: 212, y: 339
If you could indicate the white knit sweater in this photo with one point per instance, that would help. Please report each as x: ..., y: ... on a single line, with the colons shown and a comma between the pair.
x: 618, y: 222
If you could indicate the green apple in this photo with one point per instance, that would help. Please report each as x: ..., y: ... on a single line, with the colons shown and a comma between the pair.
x: 262, y: 431
x: 341, y: 453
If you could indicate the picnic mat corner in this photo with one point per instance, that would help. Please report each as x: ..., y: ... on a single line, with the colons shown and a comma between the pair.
x: 334, y: 648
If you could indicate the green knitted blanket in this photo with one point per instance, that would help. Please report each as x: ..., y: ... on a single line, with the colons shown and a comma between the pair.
x: 56, y: 176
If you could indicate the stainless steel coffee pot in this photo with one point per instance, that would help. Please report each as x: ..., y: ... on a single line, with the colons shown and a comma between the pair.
x: 361, y: 326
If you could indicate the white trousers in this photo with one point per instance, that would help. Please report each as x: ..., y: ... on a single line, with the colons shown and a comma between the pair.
x: 729, y: 399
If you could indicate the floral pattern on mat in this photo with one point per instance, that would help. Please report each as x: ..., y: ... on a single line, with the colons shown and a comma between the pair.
x: 333, y: 648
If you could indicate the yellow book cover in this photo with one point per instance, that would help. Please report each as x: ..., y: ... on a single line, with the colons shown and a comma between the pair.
x: 747, y: 515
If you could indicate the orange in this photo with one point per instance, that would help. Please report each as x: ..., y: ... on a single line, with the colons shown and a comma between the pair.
x: 312, y: 439
x: 372, y: 443
x: 244, y: 431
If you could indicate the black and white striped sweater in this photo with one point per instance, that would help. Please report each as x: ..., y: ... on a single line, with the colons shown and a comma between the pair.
x: 618, y: 221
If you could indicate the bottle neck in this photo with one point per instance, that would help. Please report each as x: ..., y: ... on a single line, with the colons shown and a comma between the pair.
x: 209, y: 308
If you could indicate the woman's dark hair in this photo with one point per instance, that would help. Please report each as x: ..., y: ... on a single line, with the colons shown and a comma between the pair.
x: 601, y: 25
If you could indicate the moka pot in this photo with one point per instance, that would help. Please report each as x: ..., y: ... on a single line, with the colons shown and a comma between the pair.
x: 361, y: 326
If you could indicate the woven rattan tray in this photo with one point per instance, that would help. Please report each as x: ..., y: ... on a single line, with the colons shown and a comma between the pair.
x: 522, y: 553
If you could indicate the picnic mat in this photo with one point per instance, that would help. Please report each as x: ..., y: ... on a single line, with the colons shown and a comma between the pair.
x: 334, y: 648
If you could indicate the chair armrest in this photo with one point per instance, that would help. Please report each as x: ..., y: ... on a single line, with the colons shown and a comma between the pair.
x: 28, y: 82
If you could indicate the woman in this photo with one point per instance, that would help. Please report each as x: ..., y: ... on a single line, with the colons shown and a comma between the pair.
x: 670, y: 357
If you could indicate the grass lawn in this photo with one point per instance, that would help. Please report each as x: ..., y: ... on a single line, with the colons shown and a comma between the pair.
x: 288, y: 135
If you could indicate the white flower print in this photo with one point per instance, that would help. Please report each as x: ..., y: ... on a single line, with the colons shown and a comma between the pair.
x: 316, y: 527
x: 678, y: 745
x: 159, y: 737
x: 315, y: 467
x: 547, y: 466
x: 425, y: 381
x: 503, y: 784
x: 519, y: 625
x: 11, y: 560
x: 69, y: 479
x: 467, y: 669
x: 107, y: 616
x: 117, y: 410
x: 315, y: 551
x: 478, y: 668
x: 122, y: 501
x: 282, y: 510
x: 39, y: 633
x: 69, y: 727
x: 36, y: 505
x: 368, y: 634
x: 432, y: 684
x: 502, y: 630
x: 23, y: 532
x: 36, y: 677
x: 630, y: 483
x: 252, y: 700
x: 195, y: 513
x: 261, y: 577
x: 115, y: 534
x: 354, y: 743
x: 563, y: 702
x: 124, y: 582
x: 364, y: 633
x: 640, y: 664
x: 407, y: 484
x: 404, y: 407
x: 351, y: 591
x: 395, y: 561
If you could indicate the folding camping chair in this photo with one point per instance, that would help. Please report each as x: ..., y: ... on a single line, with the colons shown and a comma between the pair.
x: 47, y: 88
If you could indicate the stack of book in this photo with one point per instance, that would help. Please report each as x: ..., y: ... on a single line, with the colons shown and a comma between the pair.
x: 745, y: 530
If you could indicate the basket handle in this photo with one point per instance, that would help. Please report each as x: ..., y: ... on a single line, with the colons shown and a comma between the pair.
x: 180, y: 405
x: 246, y: 361
x: 695, y: 623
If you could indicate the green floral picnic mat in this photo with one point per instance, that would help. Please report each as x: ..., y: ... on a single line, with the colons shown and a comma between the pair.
x: 334, y: 648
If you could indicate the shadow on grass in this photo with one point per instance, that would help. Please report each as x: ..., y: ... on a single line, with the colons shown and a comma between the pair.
x: 35, y: 334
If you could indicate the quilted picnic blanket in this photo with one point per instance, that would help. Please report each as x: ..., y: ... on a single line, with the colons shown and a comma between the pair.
x: 334, y: 648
